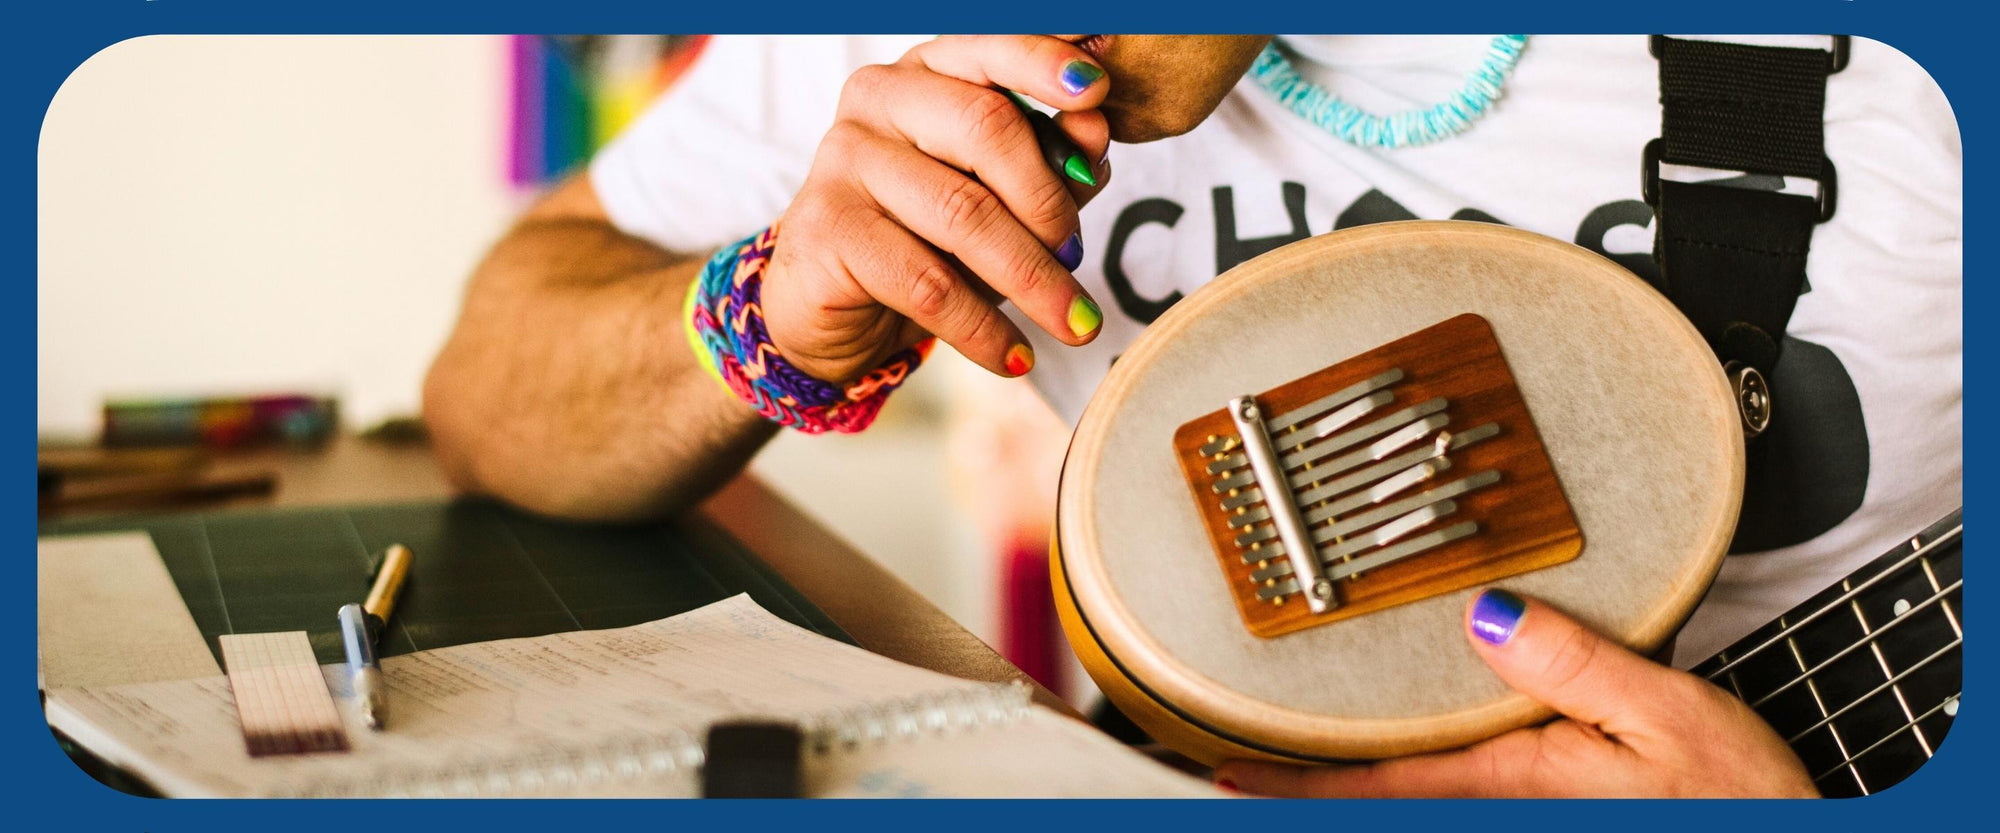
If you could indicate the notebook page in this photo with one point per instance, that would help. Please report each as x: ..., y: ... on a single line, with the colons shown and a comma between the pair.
x: 1043, y: 755
x: 107, y: 612
x: 610, y: 712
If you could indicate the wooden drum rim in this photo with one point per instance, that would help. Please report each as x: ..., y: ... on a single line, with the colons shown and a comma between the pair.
x: 1216, y: 708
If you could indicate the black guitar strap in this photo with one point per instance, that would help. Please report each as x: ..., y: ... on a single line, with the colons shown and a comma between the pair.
x: 1732, y: 252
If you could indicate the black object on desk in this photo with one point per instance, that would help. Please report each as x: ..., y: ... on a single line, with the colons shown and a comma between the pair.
x: 487, y: 572
x: 752, y: 759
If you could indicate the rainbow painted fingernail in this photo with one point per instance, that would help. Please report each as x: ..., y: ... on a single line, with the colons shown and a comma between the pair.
x: 1084, y: 316
x: 1496, y: 614
x: 1077, y: 76
x: 1070, y: 255
x: 1020, y: 359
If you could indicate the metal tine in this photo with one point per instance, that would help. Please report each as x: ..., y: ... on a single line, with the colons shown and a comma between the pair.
x: 1383, y: 490
x: 1347, y: 415
x: 1328, y: 445
x: 1382, y: 535
x: 1222, y: 443
x: 1386, y: 555
x: 1305, y: 478
x: 1253, y: 516
x: 1389, y: 487
x: 1374, y: 516
x: 1283, y: 588
x: 1376, y: 450
x: 1313, y: 409
x: 1342, y: 396
x: 1347, y: 439
x: 1380, y: 470
x: 1376, y: 473
x: 1271, y: 551
x: 1423, y: 471
x: 1235, y: 481
x: 1242, y: 498
x: 1426, y: 463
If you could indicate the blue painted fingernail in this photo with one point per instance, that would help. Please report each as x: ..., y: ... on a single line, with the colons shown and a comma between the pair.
x: 1071, y: 253
x: 1077, y: 76
x: 1495, y: 615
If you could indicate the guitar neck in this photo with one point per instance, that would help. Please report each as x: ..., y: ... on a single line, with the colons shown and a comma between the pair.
x: 1864, y: 678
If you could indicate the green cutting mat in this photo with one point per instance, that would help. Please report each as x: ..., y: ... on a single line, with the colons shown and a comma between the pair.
x: 481, y: 572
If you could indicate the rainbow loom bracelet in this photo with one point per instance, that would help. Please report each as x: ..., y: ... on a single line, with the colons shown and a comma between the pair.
x: 725, y: 326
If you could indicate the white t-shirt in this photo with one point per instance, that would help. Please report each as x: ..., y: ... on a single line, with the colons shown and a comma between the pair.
x: 1874, y: 348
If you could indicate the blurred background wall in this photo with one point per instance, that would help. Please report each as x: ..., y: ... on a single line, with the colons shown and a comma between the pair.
x: 243, y: 215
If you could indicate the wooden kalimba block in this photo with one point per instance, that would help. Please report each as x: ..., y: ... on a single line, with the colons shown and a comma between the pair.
x: 1411, y: 470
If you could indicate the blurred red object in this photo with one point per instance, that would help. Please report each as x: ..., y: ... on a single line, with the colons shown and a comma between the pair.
x: 1030, y: 636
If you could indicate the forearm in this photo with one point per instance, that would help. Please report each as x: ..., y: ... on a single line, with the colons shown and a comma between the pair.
x: 569, y: 388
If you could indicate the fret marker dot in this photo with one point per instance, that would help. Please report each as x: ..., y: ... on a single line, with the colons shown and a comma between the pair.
x: 1902, y: 606
x: 1951, y: 707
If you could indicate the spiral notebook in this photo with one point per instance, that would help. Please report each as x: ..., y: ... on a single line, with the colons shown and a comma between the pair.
x: 621, y: 712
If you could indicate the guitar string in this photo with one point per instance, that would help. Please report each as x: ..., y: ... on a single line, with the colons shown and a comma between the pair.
x: 1882, y: 662
x: 1856, y: 757
x: 1931, y: 576
x: 1891, y: 683
x: 1949, y: 615
x: 1812, y: 687
x: 1867, y: 640
x: 1954, y: 644
x: 1834, y: 604
x: 1919, y: 554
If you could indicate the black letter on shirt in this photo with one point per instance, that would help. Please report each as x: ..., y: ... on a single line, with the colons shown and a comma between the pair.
x: 1372, y: 207
x: 1602, y: 219
x: 1150, y: 210
x: 1230, y: 251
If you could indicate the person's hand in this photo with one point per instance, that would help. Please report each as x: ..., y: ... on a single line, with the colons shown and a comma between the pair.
x: 931, y: 200
x: 1629, y: 728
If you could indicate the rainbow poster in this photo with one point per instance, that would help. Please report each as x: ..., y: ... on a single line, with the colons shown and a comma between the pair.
x: 569, y: 94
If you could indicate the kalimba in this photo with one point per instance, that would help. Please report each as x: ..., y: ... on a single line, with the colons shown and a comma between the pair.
x: 1278, y: 503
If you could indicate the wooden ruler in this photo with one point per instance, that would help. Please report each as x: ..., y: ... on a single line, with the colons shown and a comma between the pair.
x: 281, y: 697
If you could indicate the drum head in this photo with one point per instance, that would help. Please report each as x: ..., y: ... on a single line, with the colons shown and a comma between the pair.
x: 1631, y: 404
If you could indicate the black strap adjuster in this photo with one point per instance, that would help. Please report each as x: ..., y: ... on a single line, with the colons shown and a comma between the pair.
x: 1837, y: 60
x: 1826, y: 196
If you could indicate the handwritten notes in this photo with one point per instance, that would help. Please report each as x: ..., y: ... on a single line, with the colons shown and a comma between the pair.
x: 622, y: 713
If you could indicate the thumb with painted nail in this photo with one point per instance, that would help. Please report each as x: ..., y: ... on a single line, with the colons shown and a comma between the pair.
x: 1626, y: 727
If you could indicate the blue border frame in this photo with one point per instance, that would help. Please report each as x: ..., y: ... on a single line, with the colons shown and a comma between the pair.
x: 52, y: 39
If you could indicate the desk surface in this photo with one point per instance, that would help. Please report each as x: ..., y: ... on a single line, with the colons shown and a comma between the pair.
x: 878, y: 610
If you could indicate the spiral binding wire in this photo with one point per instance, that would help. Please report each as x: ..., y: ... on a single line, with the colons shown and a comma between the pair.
x: 627, y: 759
x: 937, y: 713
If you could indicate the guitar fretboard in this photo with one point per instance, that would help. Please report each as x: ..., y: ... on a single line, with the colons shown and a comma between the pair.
x: 1864, y: 678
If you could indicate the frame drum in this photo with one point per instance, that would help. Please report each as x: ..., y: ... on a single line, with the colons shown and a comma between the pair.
x: 1632, y: 407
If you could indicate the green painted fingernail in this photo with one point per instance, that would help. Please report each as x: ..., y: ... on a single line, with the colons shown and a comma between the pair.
x: 1079, y: 170
x: 1084, y: 317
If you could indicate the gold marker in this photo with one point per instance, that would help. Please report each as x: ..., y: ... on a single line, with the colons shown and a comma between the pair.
x: 361, y: 625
